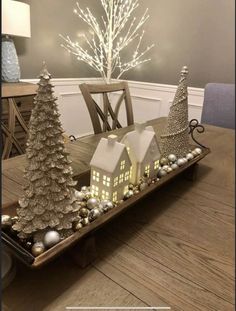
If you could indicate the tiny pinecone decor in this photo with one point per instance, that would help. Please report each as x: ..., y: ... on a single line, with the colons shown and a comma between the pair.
x: 175, y: 139
x: 49, y: 197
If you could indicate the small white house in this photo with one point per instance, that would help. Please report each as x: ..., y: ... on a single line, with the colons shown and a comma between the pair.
x: 144, y: 152
x: 110, y: 169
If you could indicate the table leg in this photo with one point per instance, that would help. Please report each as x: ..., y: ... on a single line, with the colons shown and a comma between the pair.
x: 84, y: 253
x: 191, y: 172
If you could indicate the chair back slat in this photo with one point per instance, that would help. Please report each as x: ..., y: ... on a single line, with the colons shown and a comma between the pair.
x: 98, y: 114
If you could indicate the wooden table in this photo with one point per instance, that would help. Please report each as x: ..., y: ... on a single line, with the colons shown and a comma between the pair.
x: 175, y: 248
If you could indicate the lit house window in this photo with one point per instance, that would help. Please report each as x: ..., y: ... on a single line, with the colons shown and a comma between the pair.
x: 122, y: 165
x: 115, y: 182
x: 105, y: 195
x: 94, y: 190
x: 156, y: 165
x: 121, y: 178
x: 126, y: 188
x: 128, y: 149
x: 96, y: 176
x: 147, y: 170
x: 127, y: 174
x: 130, y: 172
x: 106, y: 181
x: 114, y: 196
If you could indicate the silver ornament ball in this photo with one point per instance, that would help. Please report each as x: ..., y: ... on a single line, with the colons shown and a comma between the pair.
x: 128, y: 194
x: 165, y: 167
x: 189, y: 156
x: 169, y: 169
x: 143, y: 186
x: 6, y: 221
x: 37, y: 249
x: 51, y: 238
x: 198, y: 150
x: 174, y: 166
x: 92, y: 203
x: 172, y: 158
x: 79, y: 195
x: 94, y: 214
x: 180, y: 162
x: 161, y: 173
x: 194, y: 153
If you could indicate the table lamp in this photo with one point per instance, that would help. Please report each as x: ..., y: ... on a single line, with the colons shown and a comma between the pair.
x: 15, y: 22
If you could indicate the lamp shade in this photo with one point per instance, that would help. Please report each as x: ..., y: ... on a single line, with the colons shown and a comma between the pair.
x: 15, y: 18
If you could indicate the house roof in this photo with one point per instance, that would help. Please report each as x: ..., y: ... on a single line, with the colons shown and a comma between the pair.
x: 139, y: 141
x: 107, y: 154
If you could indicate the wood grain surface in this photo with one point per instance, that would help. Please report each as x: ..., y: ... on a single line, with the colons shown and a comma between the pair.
x: 175, y: 248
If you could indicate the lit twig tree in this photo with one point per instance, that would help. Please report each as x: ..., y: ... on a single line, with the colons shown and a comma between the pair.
x: 116, y: 30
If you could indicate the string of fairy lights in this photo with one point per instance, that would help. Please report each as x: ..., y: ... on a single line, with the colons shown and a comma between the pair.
x: 108, y: 37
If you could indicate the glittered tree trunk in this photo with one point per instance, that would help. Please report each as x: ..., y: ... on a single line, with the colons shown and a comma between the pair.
x: 48, y: 201
x: 175, y: 139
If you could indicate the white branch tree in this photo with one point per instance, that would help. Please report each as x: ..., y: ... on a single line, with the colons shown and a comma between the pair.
x: 109, y: 37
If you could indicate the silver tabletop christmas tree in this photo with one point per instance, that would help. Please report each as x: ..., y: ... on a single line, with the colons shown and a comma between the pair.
x: 175, y: 139
x: 49, y: 197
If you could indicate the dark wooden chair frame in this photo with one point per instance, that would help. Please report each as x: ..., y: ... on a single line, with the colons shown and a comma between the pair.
x: 96, y: 112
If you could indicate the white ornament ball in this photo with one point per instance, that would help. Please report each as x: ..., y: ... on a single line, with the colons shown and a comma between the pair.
x: 6, y: 221
x: 185, y: 160
x: 180, y: 162
x: 165, y: 167
x: 92, y: 203
x: 174, y: 166
x: 198, y: 150
x: 51, y: 238
x: 172, y: 158
x: 194, y: 153
x: 79, y: 195
x: 189, y: 156
x: 169, y: 169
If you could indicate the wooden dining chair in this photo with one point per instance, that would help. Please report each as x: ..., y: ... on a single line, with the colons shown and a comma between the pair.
x: 100, y: 117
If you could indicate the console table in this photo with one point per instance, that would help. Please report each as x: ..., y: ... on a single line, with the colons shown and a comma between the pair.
x: 17, y: 103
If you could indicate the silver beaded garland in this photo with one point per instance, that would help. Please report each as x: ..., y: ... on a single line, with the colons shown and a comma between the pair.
x: 51, y: 238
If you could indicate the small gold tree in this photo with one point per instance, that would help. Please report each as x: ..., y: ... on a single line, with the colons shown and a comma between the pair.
x: 175, y: 138
x: 48, y: 201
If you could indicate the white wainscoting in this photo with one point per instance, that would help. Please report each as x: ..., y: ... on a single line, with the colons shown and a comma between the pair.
x: 150, y: 100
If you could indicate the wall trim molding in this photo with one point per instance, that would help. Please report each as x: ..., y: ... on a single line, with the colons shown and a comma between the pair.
x: 132, y: 84
x: 150, y: 100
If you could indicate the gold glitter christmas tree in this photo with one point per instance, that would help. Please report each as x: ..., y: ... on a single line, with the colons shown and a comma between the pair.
x: 49, y: 197
x: 175, y: 139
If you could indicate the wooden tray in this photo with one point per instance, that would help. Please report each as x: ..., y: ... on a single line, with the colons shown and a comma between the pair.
x: 53, y: 252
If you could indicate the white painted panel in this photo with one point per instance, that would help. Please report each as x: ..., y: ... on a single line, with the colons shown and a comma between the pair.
x: 74, y: 115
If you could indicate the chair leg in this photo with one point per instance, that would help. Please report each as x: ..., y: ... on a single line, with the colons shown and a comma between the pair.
x: 85, y: 252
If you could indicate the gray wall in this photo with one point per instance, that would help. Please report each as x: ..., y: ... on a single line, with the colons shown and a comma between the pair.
x: 196, y: 33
